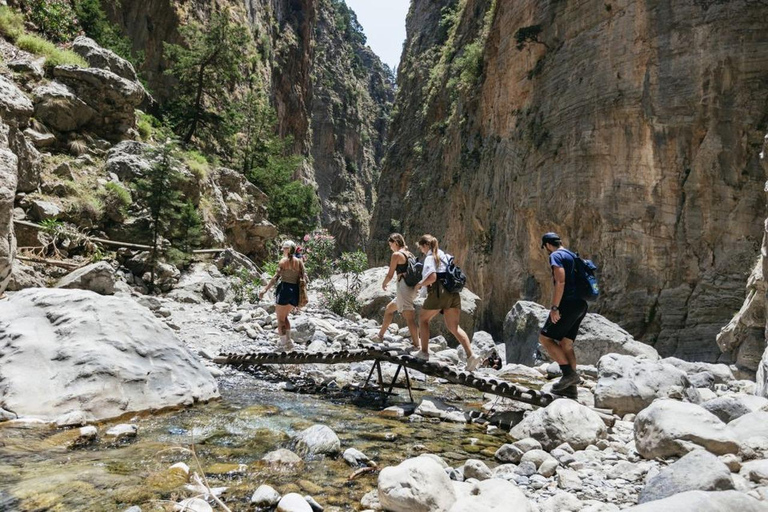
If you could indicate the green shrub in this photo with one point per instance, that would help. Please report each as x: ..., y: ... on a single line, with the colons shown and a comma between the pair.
x: 116, y: 195
x: 469, y: 65
x: 197, y: 164
x: 53, y: 56
x: 55, y: 19
x: 96, y: 25
x: 11, y: 23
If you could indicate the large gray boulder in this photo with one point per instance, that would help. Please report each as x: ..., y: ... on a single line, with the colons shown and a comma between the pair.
x: 762, y: 376
x: 98, y: 57
x: 562, y: 421
x: 668, y: 428
x: 731, y: 407
x: 59, y: 108
x: 112, y: 98
x: 597, y: 336
x: 416, y: 485
x: 494, y: 495
x: 628, y: 385
x: 129, y: 160
x: 70, y: 351
x: 318, y: 440
x: 697, y: 471
x: 721, y: 372
x: 8, y: 180
x: 97, y: 277
x: 374, y: 300
x: 750, y: 426
x: 703, y: 501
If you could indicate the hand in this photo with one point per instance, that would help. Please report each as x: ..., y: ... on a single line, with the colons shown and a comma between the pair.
x: 417, y: 287
x: 554, y: 315
x: 384, y: 286
x: 261, y: 294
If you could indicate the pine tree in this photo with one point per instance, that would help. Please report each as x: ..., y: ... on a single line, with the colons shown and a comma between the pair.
x: 159, y: 190
x: 207, y: 66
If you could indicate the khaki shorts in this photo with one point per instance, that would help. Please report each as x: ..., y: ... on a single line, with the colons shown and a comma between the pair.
x: 405, y: 297
x: 441, y: 300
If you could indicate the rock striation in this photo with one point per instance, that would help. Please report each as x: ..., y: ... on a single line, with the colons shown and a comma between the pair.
x: 75, y: 352
x: 632, y: 128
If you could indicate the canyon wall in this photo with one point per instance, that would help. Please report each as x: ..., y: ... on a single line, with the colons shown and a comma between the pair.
x: 332, y: 95
x: 630, y: 127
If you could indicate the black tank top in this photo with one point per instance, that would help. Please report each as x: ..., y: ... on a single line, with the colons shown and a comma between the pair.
x: 402, y: 268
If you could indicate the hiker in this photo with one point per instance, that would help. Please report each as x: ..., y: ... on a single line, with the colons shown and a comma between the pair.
x: 403, y: 303
x: 565, y: 315
x: 439, y: 300
x: 289, y: 271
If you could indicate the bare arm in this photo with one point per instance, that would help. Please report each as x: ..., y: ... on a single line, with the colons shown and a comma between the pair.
x: 272, y: 281
x: 558, y: 273
x: 431, y: 278
x: 391, y: 273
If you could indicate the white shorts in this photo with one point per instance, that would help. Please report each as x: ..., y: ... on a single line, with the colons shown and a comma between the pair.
x: 405, y: 297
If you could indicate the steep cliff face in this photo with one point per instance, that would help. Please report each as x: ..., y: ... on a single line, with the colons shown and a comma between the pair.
x: 631, y: 127
x: 331, y: 93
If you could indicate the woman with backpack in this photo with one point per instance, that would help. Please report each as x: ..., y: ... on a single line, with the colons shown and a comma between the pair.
x: 403, y: 303
x: 290, y: 270
x: 440, y: 300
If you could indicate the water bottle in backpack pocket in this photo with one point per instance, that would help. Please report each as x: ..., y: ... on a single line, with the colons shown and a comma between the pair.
x: 586, y: 280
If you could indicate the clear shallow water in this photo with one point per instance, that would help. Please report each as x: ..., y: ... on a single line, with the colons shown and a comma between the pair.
x: 39, y: 472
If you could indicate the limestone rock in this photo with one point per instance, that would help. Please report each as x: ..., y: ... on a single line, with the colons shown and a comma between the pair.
x: 355, y: 457
x: 193, y: 505
x: 15, y: 107
x: 99, y: 57
x: 48, y: 369
x: 597, y: 336
x: 477, y: 469
x: 416, y: 485
x: 122, y: 431
x: 293, y: 502
x: 762, y: 376
x: 756, y: 471
x: 751, y: 425
x: 112, y: 98
x: 265, y: 496
x: 493, y: 496
x: 703, y: 501
x: 697, y: 471
x: 282, y: 456
x: 562, y: 421
x: 57, y: 106
x: 318, y: 440
x: 730, y: 407
x: 41, y: 210
x: 721, y: 372
x: 8, y: 181
x: 628, y: 385
x: 97, y: 277
x: 669, y: 428
x: 128, y: 160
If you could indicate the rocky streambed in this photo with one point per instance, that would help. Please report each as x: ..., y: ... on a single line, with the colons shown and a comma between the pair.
x: 296, y: 438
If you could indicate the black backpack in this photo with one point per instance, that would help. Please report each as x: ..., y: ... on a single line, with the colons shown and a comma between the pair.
x: 412, y: 275
x: 586, y: 281
x: 453, y: 280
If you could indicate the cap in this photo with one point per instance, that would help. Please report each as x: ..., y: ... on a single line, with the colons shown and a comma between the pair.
x: 549, y: 237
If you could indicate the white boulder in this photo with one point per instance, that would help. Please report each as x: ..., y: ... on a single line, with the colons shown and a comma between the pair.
x: 416, y: 485
x: 562, y: 421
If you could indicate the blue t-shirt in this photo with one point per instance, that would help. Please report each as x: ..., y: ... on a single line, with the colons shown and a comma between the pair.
x: 563, y: 258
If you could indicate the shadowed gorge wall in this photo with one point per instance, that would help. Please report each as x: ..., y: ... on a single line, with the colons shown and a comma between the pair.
x: 630, y: 127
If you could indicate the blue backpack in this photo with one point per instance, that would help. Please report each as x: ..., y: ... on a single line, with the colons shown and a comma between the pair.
x: 586, y: 282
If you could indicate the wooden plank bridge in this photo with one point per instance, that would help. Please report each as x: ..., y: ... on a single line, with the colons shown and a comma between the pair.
x: 384, y: 353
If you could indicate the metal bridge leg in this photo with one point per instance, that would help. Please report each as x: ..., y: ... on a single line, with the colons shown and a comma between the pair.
x: 381, y: 383
x: 394, y: 380
x: 370, y: 374
x: 408, y: 383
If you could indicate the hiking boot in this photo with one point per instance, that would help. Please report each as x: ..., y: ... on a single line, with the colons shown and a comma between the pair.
x: 567, y: 381
x: 472, y: 362
x: 571, y: 392
x: 424, y: 356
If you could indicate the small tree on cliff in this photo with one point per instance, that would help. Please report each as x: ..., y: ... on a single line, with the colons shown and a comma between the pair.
x: 159, y: 191
x: 207, y: 66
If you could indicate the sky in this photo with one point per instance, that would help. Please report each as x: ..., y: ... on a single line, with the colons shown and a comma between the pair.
x: 383, y: 22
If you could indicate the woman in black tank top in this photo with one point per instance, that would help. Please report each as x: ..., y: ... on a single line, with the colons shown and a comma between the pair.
x: 398, y: 265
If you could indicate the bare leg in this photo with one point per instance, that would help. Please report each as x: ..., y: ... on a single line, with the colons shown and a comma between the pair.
x: 553, y: 349
x: 282, y: 319
x: 452, y: 322
x: 424, y: 317
x: 389, y: 314
x: 566, y: 345
x: 410, y: 318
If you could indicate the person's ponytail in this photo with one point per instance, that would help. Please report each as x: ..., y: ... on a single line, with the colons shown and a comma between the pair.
x: 433, y: 245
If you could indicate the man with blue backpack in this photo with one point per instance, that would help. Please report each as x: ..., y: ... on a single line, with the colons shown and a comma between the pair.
x: 574, y: 284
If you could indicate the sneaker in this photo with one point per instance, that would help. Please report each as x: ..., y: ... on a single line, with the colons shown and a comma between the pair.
x: 472, y: 362
x: 284, y: 346
x: 567, y: 381
x: 424, y: 356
